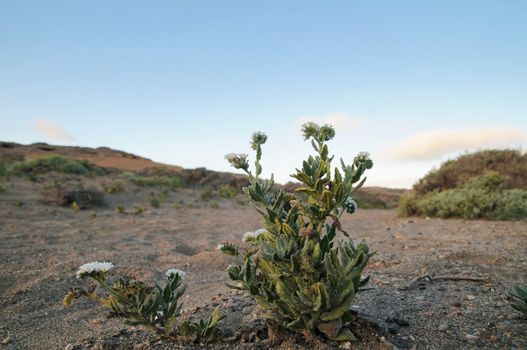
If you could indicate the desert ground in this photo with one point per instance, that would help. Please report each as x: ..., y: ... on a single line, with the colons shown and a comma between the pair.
x: 42, y: 245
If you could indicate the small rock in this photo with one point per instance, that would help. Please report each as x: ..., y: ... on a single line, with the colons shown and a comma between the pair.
x: 456, y: 304
x: 443, y: 327
x: 346, y: 345
x: 471, y: 336
x: 512, y: 317
x: 470, y: 297
x: 493, y: 338
x: 6, y: 340
x: 392, y: 330
x: 401, y: 322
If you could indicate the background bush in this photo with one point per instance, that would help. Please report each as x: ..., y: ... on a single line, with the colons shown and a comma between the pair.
x: 485, y: 196
x: 50, y: 163
x: 454, y: 173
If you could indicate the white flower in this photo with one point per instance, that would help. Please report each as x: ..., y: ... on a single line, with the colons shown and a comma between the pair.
x: 247, y: 236
x: 363, y: 154
x: 93, y: 267
x: 171, y: 272
x: 237, y: 160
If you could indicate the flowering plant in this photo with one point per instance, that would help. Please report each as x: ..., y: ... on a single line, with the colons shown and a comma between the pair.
x: 154, y: 307
x: 293, y: 269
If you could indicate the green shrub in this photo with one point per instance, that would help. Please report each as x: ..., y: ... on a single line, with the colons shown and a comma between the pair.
x: 480, y: 197
x: 454, y: 173
x: 293, y: 269
x: 121, y: 209
x: 228, y: 191
x: 51, y: 163
x: 170, y: 181
x: 511, y: 205
x: 113, y: 187
x: 207, y: 193
x: 155, y: 202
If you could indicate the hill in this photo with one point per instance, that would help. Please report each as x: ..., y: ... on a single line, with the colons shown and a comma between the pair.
x: 117, y: 161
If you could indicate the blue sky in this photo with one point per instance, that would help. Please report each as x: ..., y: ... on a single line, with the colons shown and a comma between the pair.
x: 184, y: 82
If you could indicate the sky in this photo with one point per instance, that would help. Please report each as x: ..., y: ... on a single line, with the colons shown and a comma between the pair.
x: 185, y: 82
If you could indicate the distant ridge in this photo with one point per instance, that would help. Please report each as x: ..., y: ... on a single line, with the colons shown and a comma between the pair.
x: 105, y: 157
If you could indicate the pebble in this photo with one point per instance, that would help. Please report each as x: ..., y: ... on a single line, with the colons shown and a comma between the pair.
x: 346, y: 345
x: 401, y: 322
x: 7, y: 340
x: 69, y: 347
x: 471, y: 337
x: 392, y: 330
x: 470, y: 297
x: 443, y: 327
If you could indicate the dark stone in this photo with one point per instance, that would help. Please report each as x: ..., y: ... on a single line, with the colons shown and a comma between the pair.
x: 393, y: 330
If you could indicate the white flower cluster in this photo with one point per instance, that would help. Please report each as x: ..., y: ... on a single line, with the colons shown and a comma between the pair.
x: 237, y: 160
x: 93, y: 267
x: 247, y: 236
x: 171, y: 272
x: 363, y: 159
x: 363, y: 155
x: 258, y: 138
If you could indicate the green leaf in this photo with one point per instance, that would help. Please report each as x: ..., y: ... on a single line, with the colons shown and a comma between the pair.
x: 345, y: 335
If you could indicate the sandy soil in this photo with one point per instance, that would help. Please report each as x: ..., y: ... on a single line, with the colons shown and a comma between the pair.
x: 41, y: 247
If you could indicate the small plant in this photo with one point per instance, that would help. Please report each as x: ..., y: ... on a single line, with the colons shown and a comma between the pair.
x: 155, y: 202
x: 203, y: 329
x: 228, y: 191
x: 519, y: 298
x: 2, y: 190
x: 138, y: 210
x: 75, y: 206
x: 170, y: 181
x: 154, y: 307
x: 293, y: 269
x: 93, y: 215
x: 121, y: 209
x: 113, y: 187
x: 18, y: 204
x: 214, y: 205
x: 207, y: 193
x: 33, y: 177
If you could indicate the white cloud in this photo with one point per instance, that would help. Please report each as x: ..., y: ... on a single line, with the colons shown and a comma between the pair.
x: 52, y: 130
x: 341, y: 121
x: 436, y: 143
